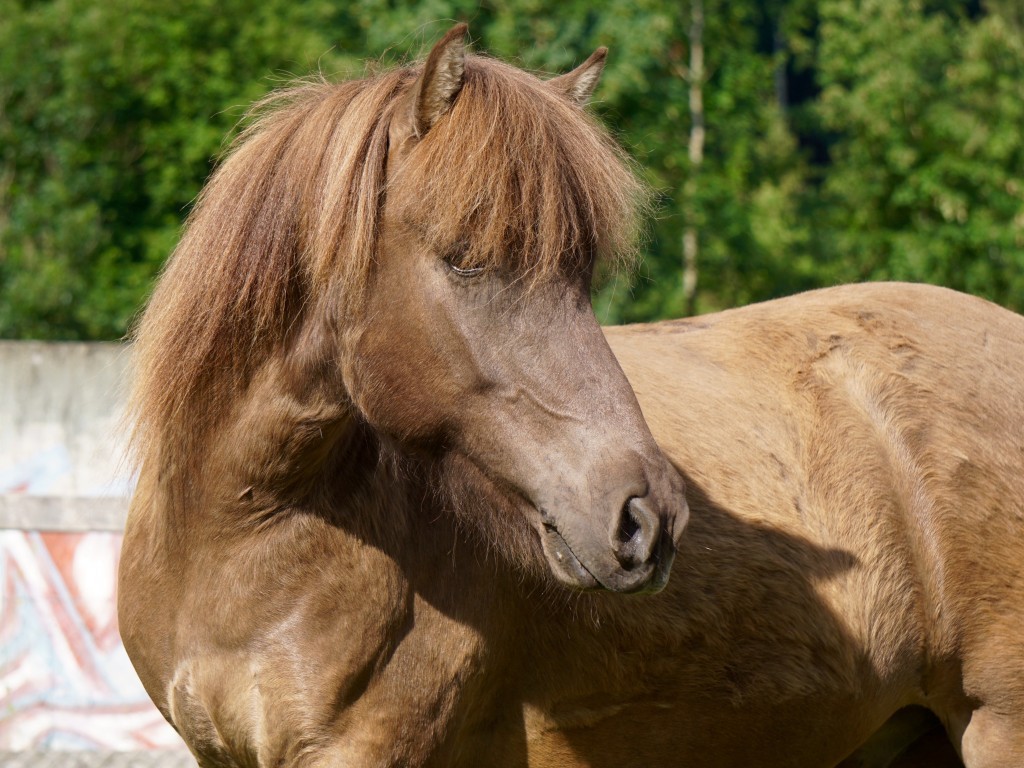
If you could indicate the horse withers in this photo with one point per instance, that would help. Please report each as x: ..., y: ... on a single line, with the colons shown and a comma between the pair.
x: 393, y: 481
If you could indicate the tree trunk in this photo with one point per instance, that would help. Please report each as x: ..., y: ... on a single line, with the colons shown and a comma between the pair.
x: 691, y: 242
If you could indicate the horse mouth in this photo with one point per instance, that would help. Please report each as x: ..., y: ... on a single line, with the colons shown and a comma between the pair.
x: 569, y: 569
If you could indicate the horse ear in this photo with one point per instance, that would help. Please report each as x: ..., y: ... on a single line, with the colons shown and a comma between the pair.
x: 579, y: 85
x: 441, y: 81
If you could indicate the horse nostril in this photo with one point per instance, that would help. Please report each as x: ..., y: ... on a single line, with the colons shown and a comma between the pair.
x: 636, y: 534
x: 628, y: 525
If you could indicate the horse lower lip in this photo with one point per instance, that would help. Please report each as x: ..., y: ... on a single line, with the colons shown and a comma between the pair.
x: 643, y: 581
x: 566, y: 559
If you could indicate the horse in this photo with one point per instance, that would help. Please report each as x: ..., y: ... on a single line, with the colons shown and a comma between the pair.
x: 403, y: 502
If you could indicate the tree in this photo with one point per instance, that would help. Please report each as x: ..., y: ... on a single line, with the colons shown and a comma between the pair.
x: 927, y: 180
x: 694, y: 76
x: 112, y: 115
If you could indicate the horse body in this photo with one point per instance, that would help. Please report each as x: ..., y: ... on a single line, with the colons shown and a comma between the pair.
x: 870, y: 436
x: 385, y: 529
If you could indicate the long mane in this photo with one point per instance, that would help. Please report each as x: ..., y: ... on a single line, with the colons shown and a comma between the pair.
x: 522, y: 177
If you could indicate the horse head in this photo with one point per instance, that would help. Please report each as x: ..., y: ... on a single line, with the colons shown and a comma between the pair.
x: 476, y: 343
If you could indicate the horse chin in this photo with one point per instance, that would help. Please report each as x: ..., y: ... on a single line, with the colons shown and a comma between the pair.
x: 496, y: 515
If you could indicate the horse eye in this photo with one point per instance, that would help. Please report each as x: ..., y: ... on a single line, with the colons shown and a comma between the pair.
x: 455, y: 259
x: 462, y: 272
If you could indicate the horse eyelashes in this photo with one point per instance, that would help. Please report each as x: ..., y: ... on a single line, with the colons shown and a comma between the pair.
x: 466, y: 272
x: 458, y: 261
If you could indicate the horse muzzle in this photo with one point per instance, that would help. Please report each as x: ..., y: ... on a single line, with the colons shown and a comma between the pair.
x: 634, y: 554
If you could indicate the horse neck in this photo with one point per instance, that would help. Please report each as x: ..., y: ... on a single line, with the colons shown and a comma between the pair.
x: 285, y: 441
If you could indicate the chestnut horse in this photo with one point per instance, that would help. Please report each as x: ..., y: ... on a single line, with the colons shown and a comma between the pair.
x: 392, y: 474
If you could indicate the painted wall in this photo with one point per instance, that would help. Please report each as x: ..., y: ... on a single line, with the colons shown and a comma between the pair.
x: 65, y: 680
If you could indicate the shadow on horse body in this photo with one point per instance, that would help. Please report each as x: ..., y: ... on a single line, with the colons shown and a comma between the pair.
x: 400, y: 505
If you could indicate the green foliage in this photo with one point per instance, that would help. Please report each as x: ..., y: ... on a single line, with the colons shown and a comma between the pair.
x: 927, y: 182
x: 112, y: 113
x: 846, y: 139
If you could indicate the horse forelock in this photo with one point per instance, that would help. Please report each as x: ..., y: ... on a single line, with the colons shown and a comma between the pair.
x: 518, y: 177
x: 515, y: 174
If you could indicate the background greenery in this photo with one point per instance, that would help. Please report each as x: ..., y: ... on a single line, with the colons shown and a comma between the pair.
x: 845, y: 139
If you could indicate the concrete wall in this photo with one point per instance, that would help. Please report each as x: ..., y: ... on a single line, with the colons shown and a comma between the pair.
x: 60, y: 406
x: 61, y: 438
x: 65, y: 680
